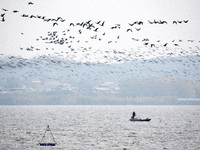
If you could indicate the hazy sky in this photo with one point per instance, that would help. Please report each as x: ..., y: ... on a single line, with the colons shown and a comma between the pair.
x: 18, y: 32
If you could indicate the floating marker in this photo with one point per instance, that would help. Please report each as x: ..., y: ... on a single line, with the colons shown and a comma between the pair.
x: 41, y: 143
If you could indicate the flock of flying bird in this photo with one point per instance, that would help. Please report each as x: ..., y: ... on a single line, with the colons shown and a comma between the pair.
x: 93, y: 26
x: 158, y: 49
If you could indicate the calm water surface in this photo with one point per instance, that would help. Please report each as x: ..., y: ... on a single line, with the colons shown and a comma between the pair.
x: 100, y: 127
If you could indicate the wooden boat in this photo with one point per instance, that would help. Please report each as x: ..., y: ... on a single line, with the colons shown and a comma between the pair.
x: 136, y: 119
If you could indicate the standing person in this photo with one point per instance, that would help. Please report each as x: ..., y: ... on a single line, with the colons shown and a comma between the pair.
x: 134, y: 114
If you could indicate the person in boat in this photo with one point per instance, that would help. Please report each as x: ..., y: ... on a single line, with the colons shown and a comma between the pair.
x: 133, y: 116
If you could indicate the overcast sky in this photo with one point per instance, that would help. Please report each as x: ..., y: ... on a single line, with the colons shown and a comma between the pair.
x: 18, y: 32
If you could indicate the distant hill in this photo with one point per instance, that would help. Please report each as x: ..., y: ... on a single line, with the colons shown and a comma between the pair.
x: 53, y: 80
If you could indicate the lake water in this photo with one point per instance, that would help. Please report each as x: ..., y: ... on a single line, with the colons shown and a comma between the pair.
x: 100, y: 127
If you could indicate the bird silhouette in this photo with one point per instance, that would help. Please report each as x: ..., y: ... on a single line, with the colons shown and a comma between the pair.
x: 4, y: 9
x: 98, y: 22
x: 140, y: 23
x: 176, y: 45
x: 102, y: 23
x: 24, y: 15
x: 71, y: 24
x: 137, y: 29
x: 96, y: 29
x: 163, y: 22
x: 30, y: 3
x: 129, y: 30
x: 114, y: 27
x: 145, y: 40
x: 135, y: 39
x: 2, y: 15
x: 190, y: 40
x: 55, y: 23
x: 89, y: 26
x: 150, y: 22
x: 15, y: 11
x: 3, y: 19
x: 32, y: 16
x: 131, y: 24
x: 165, y: 44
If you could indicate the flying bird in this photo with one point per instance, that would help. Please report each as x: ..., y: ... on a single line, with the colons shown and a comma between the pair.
x: 185, y: 21
x: 30, y: 3
x: 3, y: 19
x: 135, y: 39
x: 102, y: 24
x: 71, y: 24
x: 15, y: 11
x: 32, y: 16
x: 165, y: 44
x: 131, y: 24
x: 4, y: 9
x: 190, y: 40
x: 150, y: 22
x: 24, y: 15
x: 140, y: 23
x: 114, y: 27
x: 137, y: 29
x: 163, y: 22
x: 2, y: 15
x: 145, y: 40
x: 176, y: 45
x: 55, y: 24
x: 98, y: 22
x: 96, y: 29
x: 129, y: 30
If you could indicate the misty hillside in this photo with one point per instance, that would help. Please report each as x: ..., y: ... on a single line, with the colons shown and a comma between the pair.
x: 176, y: 77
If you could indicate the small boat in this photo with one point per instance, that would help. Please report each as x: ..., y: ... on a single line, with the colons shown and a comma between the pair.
x: 136, y: 119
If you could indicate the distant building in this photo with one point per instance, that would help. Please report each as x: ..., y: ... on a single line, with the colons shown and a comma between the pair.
x: 2, y: 90
x: 35, y: 84
x: 107, y: 87
x: 188, y: 101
